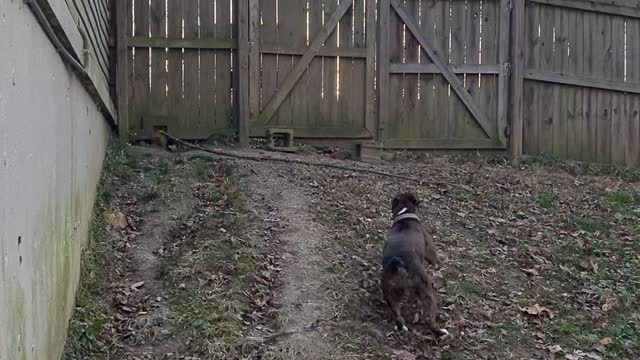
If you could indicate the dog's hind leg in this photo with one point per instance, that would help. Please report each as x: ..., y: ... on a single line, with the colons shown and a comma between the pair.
x: 395, y: 305
x: 428, y: 299
x: 396, y: 309
x: 431, y: 309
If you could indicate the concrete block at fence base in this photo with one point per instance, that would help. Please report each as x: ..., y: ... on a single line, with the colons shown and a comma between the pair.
x: 369, y: 152
x: 280, y: 139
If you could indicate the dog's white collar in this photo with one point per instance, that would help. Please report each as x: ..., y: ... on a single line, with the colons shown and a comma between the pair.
x: 406, y: 216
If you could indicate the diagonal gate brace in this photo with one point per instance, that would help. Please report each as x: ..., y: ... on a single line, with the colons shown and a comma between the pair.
x: 458, y: 87
x: 301, y: 66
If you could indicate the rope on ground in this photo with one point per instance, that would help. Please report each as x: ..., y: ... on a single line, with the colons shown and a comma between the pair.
x: 232, y: 154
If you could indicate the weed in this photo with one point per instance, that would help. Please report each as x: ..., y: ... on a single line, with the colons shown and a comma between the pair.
x: 546, y: 200
x: 625, y: 338
x: 468, y: 290
x: 464, y: 195
x: 589, y: 224
x: 216, y: 196
x: 200, y: 168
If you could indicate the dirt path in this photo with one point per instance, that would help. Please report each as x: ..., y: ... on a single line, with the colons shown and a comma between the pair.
x: 301, y: 301
x: 231, y: 259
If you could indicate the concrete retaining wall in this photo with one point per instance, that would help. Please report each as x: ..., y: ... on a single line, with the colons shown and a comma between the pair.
x: 52, y: 143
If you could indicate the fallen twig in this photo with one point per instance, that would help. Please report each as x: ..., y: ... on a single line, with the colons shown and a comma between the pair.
x: 231, y: 154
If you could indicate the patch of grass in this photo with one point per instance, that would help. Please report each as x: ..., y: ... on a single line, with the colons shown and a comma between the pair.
x: 216, y: 196
x: 464, y: 195
x: 589, y: 224
x: 625, y: 338
x: 86, y: 338
x: 546, y: 200
x: 468, y: 289
x: 570, y: 331
x: 211, y: 273
x: 627, y: 203
x: 200, y: 168
x: 521, y: 249
x: 545, y: 160
x: 553, y: 163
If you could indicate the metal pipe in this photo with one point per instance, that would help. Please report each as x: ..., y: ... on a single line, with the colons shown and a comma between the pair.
x: 66, y: 56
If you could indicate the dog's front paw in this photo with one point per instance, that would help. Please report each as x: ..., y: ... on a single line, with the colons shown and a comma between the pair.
x: 443, y: 332
x: 404, y: 328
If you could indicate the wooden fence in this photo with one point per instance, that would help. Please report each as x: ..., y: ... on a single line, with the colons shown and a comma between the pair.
x: 553, y: 76
x: 582, y: 80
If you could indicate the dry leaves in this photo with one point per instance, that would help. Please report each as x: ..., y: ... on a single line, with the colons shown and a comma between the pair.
x: 137, y: 285
x: 118, y: 220
x: 531, y: 272
x: 589, y: 265
x: 403, y: 355
x: 537, y: 310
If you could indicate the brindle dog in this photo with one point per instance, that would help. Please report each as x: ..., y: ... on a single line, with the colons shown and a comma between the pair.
x: 403, y: 271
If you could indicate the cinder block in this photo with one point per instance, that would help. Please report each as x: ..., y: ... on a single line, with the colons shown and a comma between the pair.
x: 279, y: 138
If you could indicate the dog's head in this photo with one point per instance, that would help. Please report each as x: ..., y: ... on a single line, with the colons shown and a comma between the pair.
x: 404, y: 203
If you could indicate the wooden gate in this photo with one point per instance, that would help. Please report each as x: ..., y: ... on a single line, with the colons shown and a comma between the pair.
x: 444, y: 73
x: 182, y: 72
x: 311, y: 67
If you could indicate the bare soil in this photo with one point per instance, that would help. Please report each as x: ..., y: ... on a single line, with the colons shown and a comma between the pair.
x: 229, y: 258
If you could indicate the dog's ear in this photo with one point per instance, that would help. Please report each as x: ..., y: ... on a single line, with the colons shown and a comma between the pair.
x: 394, y: 202
x: 414, y: 200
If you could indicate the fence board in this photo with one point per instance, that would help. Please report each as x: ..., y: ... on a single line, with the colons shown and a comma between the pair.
x: 532, y: 89
x: 443, y: 90
x: 396, y: 81
x: 139, y: 105
x: 489, y: 83
x: 330, y: 69
x: 130, y: 71
x: 546, y: 99
x: 425, y: 108
x: 224, y: 76
x: 287, y: 31
x: 559, y: 91
x: 457, y: 113
x: 345, y: 66
x: 473, y: 82
x: 358, y: 84
x: 158, y: 98
x: 268, y: 34
x: 315, y: 96
x: 191, y: 116
x: 618, y: 109
x: 590, y: 98
x: 297, y: 26
x: 604, y: 70
x: 208, y: 68
x: 576, y: 61
x: 633, y: 100
x: 174, y: 61
x: 412, y: 122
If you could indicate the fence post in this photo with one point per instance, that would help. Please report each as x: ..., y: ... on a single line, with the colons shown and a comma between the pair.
x: 371, y: 123
x: 518, y: 79
x: 254, y: 60
x: 383, y: 67
x: 122, y: 63
x: 243, y: 72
